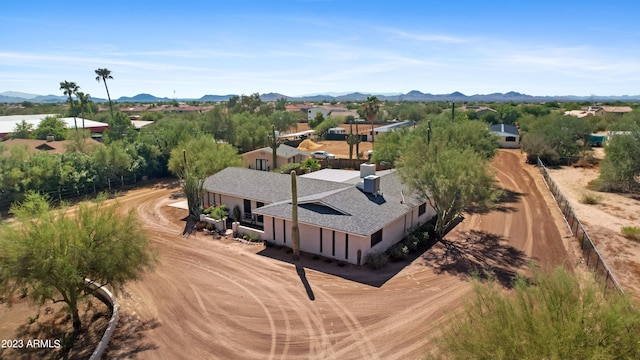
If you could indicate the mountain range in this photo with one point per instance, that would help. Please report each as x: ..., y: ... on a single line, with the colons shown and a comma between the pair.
x: 415, y: 95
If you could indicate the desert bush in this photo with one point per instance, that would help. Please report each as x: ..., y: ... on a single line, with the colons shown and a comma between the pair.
x: 555, y: 316
x: 412, y: 241
x: 286, y: 168
x: 398, y: 251
x: 631, y: 232
x: 377, y: 261
x: 590, y: 198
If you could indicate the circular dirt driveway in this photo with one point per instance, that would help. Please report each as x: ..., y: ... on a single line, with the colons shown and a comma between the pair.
x: 223, y: 299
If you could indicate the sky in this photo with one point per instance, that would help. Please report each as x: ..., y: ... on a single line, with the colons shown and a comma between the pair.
x: 189, y: 49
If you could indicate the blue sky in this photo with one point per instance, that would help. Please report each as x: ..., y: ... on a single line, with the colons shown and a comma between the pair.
x: 188, y: 49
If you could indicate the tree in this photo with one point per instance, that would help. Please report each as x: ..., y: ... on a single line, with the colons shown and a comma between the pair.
x: 508, y: 113
x: 84, y: 100
x: 448, y: 172
x: 51, y: 126
x: 22, y: 130
x: 620, y: 169
x: 194, y: 160
x: 280, y: 104
x: 70, y: 88
x: 553, y: 316
x: 120, y: 128
x: 104, y: 75
x: 369, y: 110
x: 53, y: 253
x: 282, y: 120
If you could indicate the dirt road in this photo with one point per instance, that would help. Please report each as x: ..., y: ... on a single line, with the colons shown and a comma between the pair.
x: 222, y: 299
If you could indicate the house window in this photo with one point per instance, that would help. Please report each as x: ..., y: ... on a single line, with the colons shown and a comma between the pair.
x: 376, y: 237
x: 346, y: 246
x: 422, y: 209
x: 333, y: 243
x: 261, y: 164
x: 510, y: 139
x: 260, y: 218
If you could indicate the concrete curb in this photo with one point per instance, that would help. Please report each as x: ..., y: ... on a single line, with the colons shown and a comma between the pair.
x: 107, y: 298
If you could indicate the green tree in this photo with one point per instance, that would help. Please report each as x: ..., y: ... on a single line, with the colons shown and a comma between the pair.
x: 317, y: 120
x: 553, y: 316
x: 84, y: 100
x: 251, y: 130
x: 280, y: 104
x: 192, y: 162
x: 323, y: 128
x: 70, y: 88
x: 22, y: 130
x: 508, y: 113
x: 120, y: 128
x: 282, y: 120
x: 104, y: 74
x: 310, y: 165
x: 52, y: 253
x: 51, y: 126
x: 620, y: 169
x: 369, y: 109
x: 447, y: 170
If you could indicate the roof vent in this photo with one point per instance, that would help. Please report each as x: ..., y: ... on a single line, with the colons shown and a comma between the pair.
x: 367, y: 169
x: 50, y: 138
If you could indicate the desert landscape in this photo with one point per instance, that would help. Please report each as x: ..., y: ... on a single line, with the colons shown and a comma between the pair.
x: 213, y: 297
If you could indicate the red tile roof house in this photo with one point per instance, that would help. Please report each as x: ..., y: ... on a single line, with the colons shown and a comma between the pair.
x: 344, y: 215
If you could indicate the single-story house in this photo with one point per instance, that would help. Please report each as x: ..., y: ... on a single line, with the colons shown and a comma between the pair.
x: 329, y: 110
x: 599, y: 111
x: 480, y: 110
x: 390, y: 127
x: 8, y: 123
x: 342, y: 214
x: 508, y: 135
x: 261, y: 159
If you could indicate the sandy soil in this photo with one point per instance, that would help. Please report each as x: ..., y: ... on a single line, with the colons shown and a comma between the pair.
x: 217, y: 298
x: 222, y: 299
x: 603, y: 222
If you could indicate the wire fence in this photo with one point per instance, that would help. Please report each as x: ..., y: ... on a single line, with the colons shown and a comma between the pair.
x: 59, y: 193
x: 592, y: 256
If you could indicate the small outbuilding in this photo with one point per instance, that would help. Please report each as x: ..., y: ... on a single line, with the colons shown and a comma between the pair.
x: 508, y: 135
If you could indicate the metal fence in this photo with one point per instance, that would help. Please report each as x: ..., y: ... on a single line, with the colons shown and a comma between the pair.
x: 591, y: 254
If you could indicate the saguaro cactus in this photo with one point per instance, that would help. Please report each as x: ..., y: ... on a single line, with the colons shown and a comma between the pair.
x: 295, y: 232
x: 353, y: 139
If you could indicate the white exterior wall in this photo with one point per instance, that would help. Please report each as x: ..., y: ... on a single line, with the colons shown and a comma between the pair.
x: 502, y: 142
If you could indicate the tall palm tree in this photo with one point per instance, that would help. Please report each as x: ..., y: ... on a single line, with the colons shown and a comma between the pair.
x: 83, y: 99
x: 70, y: 88
x: 370, y: 109
x: 104, y: 74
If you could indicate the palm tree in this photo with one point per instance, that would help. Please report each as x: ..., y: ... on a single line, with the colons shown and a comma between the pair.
x: 370, y: 109
x: 104, y: 74
x: 70, y: 88
x: 84, y: 99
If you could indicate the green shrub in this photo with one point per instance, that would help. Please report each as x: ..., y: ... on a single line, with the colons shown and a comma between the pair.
x: 253, y: 237
x: 631, y: 232
x: 286, y: 168
x: 412, y: 242
x: 377, y: 261
x: 590, y: 198
x: 555, y: 316
x: 398, y: 251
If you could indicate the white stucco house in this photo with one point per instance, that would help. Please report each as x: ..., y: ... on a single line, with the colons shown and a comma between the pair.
x: 342, y: 214
x: 508, y: 135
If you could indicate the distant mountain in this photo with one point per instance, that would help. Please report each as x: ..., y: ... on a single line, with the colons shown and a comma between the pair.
x: 142, y: 98
x: 414, y: 95
x: 216, y: 98
x: 18, y: 94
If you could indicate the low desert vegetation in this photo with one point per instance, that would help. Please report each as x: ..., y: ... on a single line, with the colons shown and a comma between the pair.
x: 554, y: 315
x: 590, y: 198
x: 631, y: 233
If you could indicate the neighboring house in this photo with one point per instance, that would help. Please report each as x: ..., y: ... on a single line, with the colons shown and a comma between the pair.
x: 261, y: 159
x: 508, y: 135
x: 45, y: 145
x: 480, y: 110
x: 327, y: 111
x: 599, y: 111
x: 388, y: 128
x: 341, y: 215
x: 8, y: 123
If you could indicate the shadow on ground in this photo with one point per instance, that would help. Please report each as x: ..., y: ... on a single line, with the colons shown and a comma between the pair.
x: 476, y: 253
x: 361, y: 274
x: 130, y: 337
